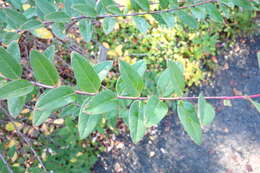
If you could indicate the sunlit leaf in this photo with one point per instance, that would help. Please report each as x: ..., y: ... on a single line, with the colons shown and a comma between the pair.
x: 141, y: 24
x: 42, y: 33
x: 108, y: 25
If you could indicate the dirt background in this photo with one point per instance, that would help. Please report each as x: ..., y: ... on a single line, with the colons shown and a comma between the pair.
x: 231, y: 144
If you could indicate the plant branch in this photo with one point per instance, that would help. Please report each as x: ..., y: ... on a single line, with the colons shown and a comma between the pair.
x: 6, y: 164
x: 147, y: 98
x: 74, y: 20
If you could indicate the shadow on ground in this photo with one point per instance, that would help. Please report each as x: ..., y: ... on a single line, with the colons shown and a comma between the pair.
x: 231, y: 143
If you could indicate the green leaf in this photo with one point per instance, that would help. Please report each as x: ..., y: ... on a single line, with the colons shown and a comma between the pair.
x: 256, y: 104
x: 131, y: 78
x: 213, y: 12
x: 164, y: 3
x: 50, y: 52
x: 85, y: 9
x: 60, y: 17
x: 14, y: 49
x: 206, y: 112
x: 103, y: 102
x: 141, y: 24
x: 171, y: 80
x: 86, y: 123
x: 121, y: 86
x: 15, y: 105
x: 7, y: 37
x: 44, y: 71
x: 16, y: 3
x: 67, y: 7
x: 16, y: 19
x: 168, y: 19
x: 10, y: 68
x: 199, y: 13
x: 46, y: 7
x: 70, y: 110
x: 177, y: 77
x: 87, y: 78
x: 136, y: 121
x: 243, y: 3
x: 189, y: 121
x: 108, y: 25
x: 40, y: 116
x: 31, y: 24
x: 144, y: 4
x: 15, y: 88
x: 134, y: 5
x: 31, y: 12
x: 59, y: 30
x: 86, y: 29
x: 164, y: 84
x: 55, y: 98
x: 103, y: 68
x: 111, y: 6
x: 155, y: 111
x: 187, y: 19
x: 140, y: 67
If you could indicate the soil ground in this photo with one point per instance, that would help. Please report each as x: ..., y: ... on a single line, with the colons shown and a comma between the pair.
x: 231, y: 144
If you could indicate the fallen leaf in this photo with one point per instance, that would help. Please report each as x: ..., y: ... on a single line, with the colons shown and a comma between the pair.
x: 43, y: 33
x: 237, y: 92
x: 9, y: 127
x: 227, y: 103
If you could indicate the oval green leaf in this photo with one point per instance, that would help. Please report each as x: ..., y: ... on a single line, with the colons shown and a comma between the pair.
x: 15, y: 105
x: 206, y: 112
x: 189, y: 121
x: 60, y: 17
x: 10, y: 68
x: 15, y: 88
x: 136, y: 121
x: 86, y: 123
x: 103, y: 68
x: 55, y: 98
x: 103, y: 102
x: 44, y: 71
x: 87, y: 78
x: 131, y: 78
x: 155, y: 111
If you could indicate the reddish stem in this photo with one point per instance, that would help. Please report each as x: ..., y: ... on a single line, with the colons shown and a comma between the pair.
x: 161, y: 98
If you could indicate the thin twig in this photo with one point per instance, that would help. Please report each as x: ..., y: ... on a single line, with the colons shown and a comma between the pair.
x: 147, y: 98
x: 25, y: 139
x: 6, y: 164
x: 74, y: 20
